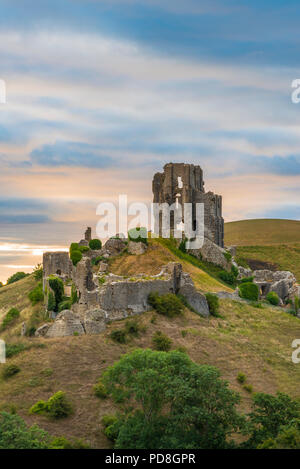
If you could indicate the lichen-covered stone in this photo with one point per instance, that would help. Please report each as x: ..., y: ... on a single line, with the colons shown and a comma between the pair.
x: 136, y: 248
x: 67, y: 323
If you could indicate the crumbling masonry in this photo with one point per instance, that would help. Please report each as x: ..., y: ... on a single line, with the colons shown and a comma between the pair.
x: 184, y: 183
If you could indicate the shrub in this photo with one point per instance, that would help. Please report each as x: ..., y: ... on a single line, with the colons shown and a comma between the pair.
x: 9, y: 371
x: 227, y: 277
x: 241, y: 377
x: 38, y: 272
x: 74, y: 294
x: 168, y: 305
x: 161, y: 342
x: 138, y: 235
x: 96, y: 260
x: 76, y: 257
x: 39, y: 408
x: 83, y: 248
x: 249, y: 291
x: 273, y: 298
x: 111, y: 426
x: 16, y: 277
x: 95, y: 244
x: 61, y: 442
x: 37, y: 294
x: 213, y: 304
x: 246, y: 279
x: 57, y: 406
x: 182, y: 246
x: 14, y: 349
x: 248, y: 388
x: 118, y: 335
x: 57, y: 286
x: 227, y: 256
x: 65, y: 304
x: 10, y: 317
x: 132, y: 327
x: 51, y: 302
x: 14, y: 434
x: 100, y: 390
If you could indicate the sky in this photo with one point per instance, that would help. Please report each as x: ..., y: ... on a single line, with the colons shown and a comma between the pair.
x: 100, y: 94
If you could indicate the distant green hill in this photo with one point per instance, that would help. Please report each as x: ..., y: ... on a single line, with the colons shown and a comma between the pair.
x: 266, y: 243
x: 262, y: 232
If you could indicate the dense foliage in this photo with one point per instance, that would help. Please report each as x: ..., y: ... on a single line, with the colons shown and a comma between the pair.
x: 273, y: 298
x: 16, y: 277
x: 181, y: 404
x: 95, y: 244
x: 249, y: 291
x: 168, y: 305
x: 213, y: 304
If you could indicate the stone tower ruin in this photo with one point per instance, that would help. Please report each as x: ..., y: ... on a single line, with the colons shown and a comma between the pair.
x: 184, y: 182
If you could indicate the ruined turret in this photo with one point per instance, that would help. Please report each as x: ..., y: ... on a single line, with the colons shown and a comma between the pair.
x: 184, y: 183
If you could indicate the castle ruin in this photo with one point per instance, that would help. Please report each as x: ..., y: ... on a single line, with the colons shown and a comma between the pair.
x: 184, y: 183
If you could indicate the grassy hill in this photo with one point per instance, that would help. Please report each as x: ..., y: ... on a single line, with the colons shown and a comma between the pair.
x: 264, y: 243
x: 255, y: 341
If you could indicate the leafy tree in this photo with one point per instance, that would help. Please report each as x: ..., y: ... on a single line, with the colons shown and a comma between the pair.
x: 269, y: 414
x: 180, y: 404
x: 14, y: 434
x: 287, y: 438
x: 57, y: 286
x: 15, y: 277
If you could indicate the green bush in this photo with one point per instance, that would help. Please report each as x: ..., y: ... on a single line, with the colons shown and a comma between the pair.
x: 182, y: 246
x: 228, y: 256
x: 9, y: 371
x: 74, y: 294
x: 14, y: 349
x: 213, y: 304
x: 138, y: 235
x: 100, y: 390
x: 57, y: 286
x: 57, y: 406
x: 39, y: 408
x: 168, y: 305
x: 249, y: 291
x: 273, y: 298
x: 246, y: 279
x: 76, y: 257
x: 10, y: 317
x: 96, y: 260
x: 118, y: 335
x: 161, y: 342
x: 37, y: 294
x: 16, y: 277
x: 111, y: 426
x: 51, y: 302
x: 227, y: 277
x: 95, y: 244
x: 14, y: 434
x: 83, y: 248
x: 132, y: 327
x: 60, y: 442
x: 241, y: 378
x: 248, y: 388
x: 38, y: 272
x: 65, y: 304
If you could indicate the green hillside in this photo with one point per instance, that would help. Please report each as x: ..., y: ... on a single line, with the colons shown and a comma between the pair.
x: 265, y: 243
x: 245, y: 339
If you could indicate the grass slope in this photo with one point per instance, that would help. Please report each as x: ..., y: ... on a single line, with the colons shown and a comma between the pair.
x: 254, y: 341
x: 262, y: 232
x: 159, y: 254
x: 269, y: 241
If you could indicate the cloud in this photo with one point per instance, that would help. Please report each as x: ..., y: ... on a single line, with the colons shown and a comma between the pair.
x: 23, y: 219
x: 70, y: 154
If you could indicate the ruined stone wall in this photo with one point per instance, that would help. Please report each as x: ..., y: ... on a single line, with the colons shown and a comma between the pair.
x: 184, y: 182
x: 57, y: 263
